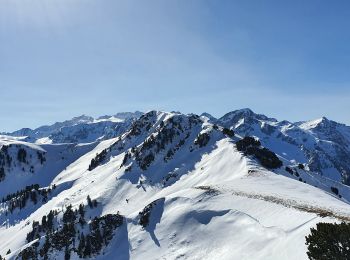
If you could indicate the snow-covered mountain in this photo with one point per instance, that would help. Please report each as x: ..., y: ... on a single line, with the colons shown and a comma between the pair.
x: 322, y: 145
x: 172, y: 186
x: 81, y: 129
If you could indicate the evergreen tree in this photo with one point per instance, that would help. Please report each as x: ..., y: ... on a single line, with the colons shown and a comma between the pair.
x: 33, y: 197
x: 335, y: 190
x: 87, y: 250
x: 2, y: 174
x: 81, y: 210
x: 67, y: 253
x: 329, y: 241
x: 202, y: 139
x: 50, y: 217
x: 81, y: 245
x: 69, y: 215
x: 89, y: 201
x: 22, y: 155
x: 228, y: 132
x: 82, y: 221
x: 44, y: 222
x: 97, y: 241
x: 46, y: 247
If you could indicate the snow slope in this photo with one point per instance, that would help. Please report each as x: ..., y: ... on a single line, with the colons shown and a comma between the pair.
x: 209, y: 201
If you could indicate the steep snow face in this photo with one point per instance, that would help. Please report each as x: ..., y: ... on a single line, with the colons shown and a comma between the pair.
x: 82, y: 129
x: 322, y: 145
x: 182, y: 189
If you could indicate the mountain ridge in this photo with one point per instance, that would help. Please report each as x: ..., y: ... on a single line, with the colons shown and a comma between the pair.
x: 169, y: 184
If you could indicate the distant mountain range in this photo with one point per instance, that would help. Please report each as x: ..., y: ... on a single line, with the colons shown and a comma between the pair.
x: 81, y: 129
x: 322, y: 145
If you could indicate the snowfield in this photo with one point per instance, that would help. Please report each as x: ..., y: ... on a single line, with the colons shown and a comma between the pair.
x: 208, y: 201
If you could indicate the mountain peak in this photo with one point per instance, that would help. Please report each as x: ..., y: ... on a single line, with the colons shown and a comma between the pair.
x: 322, y: 122
x: 82, y: 119
x: 245, y: 110
x: 245, y: 113
x: 209, y: 117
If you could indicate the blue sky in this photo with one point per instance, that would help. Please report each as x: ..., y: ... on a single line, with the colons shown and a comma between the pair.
x: 63, y: 58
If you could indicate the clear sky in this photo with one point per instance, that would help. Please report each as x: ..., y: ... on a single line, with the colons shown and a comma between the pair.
x: 62, y: 58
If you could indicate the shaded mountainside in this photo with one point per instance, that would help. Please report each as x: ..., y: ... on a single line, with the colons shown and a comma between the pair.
x: 170, y: 186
